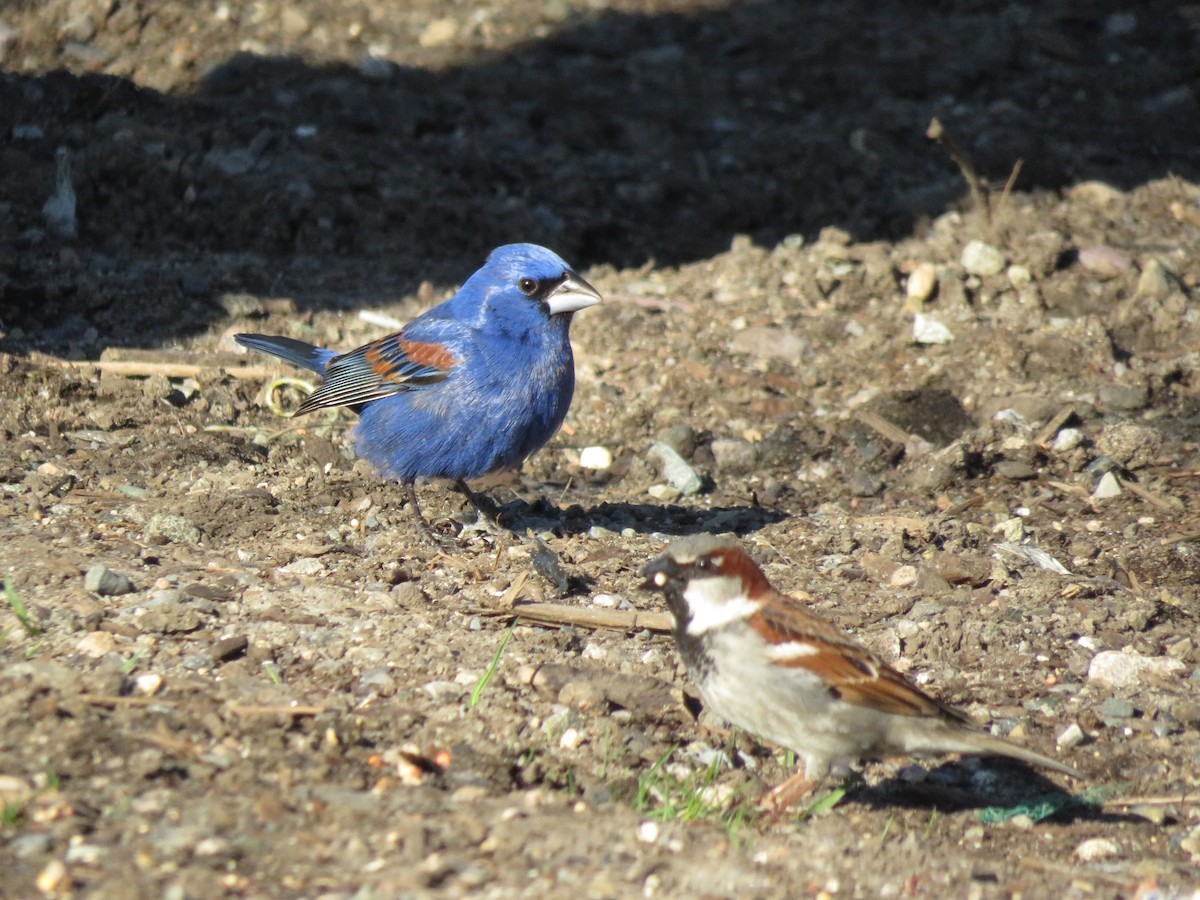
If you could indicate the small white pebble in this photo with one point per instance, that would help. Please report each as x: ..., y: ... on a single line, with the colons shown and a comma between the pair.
x: 571, y: 738
x: 648, y: 832
x: 921, y: 282
x: 149, y: 683
x: 930, y: 331
x: 599, y: 458
x: 607, y: 600
x: 904, y: 576
x: 1096, y: 848
x: 1070, y: 736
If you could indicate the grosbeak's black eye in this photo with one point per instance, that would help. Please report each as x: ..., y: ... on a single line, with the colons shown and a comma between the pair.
x: 704, y: 564
x: 528, y: 286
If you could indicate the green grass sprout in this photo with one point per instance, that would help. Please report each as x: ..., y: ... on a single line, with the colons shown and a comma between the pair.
x: 491, y: 669
x: 18, y: 608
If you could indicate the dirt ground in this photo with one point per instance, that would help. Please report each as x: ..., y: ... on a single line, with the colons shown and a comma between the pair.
x: 964, y: 422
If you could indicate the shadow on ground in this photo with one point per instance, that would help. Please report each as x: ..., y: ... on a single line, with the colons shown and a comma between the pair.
x: 617, y: 138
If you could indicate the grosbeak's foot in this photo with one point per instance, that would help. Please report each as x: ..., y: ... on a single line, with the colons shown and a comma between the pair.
x: 484, y: 505
x: 431, y: 537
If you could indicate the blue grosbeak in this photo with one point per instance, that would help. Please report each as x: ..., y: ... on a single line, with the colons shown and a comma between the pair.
x: 470, y: 387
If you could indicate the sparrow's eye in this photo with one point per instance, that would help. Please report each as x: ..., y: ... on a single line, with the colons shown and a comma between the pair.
x: 704, y: 564
x: 528, y: 286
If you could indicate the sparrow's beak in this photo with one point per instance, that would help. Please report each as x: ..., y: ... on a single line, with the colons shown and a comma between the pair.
x: 572, y: 295
x: 660, y: 572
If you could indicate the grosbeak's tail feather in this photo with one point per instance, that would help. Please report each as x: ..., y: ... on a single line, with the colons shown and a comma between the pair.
x: 298, y: 353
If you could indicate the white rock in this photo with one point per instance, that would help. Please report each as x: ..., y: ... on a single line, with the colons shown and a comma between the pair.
x: 648, y: 832
x: 149, y: 683
x: 1117, y: 669
x: 927, y: 330
x: 904, y: 576
x: 571, y: 738
x: 595, y: 458
x: 438, y: 32
x: 921, y: 282
x: 1070, y: 736
x: 982, y: 259
x: 1067, y: 440
x: 1097, y: 848
x: 305, y: 565
x: 97, y: 644
x: 1107, y: 488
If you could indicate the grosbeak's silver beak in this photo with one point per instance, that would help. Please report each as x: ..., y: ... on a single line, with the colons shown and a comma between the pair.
x: 572, y: 295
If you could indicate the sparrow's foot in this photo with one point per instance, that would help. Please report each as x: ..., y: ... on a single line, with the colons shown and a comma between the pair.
x: 775, y: 802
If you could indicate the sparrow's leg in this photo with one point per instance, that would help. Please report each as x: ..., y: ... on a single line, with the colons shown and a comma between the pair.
x: 775, y: 802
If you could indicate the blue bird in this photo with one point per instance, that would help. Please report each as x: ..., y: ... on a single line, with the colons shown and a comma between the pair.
x: 470, y: 387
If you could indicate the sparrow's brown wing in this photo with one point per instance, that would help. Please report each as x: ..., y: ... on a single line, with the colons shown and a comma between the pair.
x: 852, y: 673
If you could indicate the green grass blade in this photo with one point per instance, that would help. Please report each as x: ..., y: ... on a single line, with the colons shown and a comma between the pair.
x: 18, y: 607
x: 491, y: 669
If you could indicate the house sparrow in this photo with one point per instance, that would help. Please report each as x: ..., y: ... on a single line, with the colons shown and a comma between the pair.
x: 766, y: 664
x: 470, y: 387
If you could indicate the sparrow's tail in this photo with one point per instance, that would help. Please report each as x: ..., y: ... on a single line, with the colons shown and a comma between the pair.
x: 971, y: 741
x: 296, y: 352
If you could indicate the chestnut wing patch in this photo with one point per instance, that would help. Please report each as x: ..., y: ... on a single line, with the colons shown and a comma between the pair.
x: 379, y: 369
x: 851, y: 672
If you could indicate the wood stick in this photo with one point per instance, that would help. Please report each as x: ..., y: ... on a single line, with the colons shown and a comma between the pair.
x: 1050, y: 429
x: 562, y: 614
x: 139, y: 369
x: 1155, y: 500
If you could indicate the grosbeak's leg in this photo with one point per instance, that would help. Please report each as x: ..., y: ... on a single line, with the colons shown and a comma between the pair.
x: 482, y: 503
x: 431, y: 537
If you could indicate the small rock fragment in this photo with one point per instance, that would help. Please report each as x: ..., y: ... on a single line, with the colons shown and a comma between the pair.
x: 168, y: 528
x: 97, y: 644
x: 107, y: 583
x: 663, y: 492
x: 1067, y: 440
x: 921, y: 282
x: 676, y: 469
x: 1104, y: 261
x: 1133, y: 446
x: 1107, y: 487
x: 1121, y: 670
x: 438, y: 33
x: 52, y: 876
x: 1156, y: 280
x: 1116, y: 708
x: 305, y: 565
x: 927, y: 330
x: 1070, y: 736
x: 599, y: 458
x: 681, y: 438
x: 982, y: 259
x: 1122, y: 397
x: 733, y: 455
x: 149, y: 683
x: 771, y: 342
x: 1096, y: 848
x: 1015, y: 470
x: 547, y: 564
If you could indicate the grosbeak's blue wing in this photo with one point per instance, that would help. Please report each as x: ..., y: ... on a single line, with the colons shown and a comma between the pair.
x: 388, y: 366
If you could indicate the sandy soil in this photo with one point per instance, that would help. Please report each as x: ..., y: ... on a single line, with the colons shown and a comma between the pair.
x: 965, y: 424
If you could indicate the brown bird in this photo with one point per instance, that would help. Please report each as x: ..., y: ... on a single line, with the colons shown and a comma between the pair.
x: 769, y: 666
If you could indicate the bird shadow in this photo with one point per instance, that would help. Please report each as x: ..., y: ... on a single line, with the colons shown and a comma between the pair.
x: 643, y: 518
x: 999, y: 790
